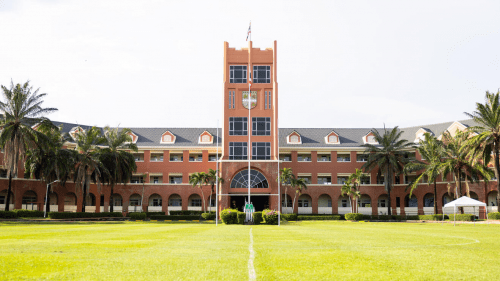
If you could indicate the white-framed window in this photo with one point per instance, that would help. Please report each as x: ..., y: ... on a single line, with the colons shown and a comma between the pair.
x: 175, y: 179
x: 343, y: 158
x: 341, y: 179
x: 238, y: 126
x: 195, y: 203
x: 286, y: 157
x: 231, y: 100
x: 303, y: 203
x: 237, y: 74
x: 304, y: 157
x: 156, y: 157
x: 176, y: 158
x: 195, y: 157
x: 134, y: 202
x: 238, y: 150
x: 344, y: 203
x: 324, y: 157
x: 261, y: 126
x: 361, y: 158
x: 324, y: 180
x: 212, y: 157
x: 175, y: 202
x: 138, y: 157
x: 307, y: 179
x: 333, y: 139
x: 330, y: 203
x: 157, y: 202
x: 136, y: 179
x: 267, y: 100
x: 262, y: 74
x: 156, y: 179
x: 261, y: 150
x: 365, y: 180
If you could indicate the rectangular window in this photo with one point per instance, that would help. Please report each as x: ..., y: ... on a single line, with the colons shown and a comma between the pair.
x: 324, y: 157
x: 306, y: 179
x: 156, y: 179
x: 286, y: 157
x: 134, y: 202
x: 195, y: 157
x: 261, y: 126
x: 324, y: 180
x: 139, y: 157
x: 238, y: 150
x: 3, y: 173
x: 269, y: 100
x: 238, y: 126
x: 137, y: 179
x: 262, y: 74
x: 231, y: 100
x: 156, y: 157
x: 212, y: 157
x: 176, y: 202
x: 380, y: 180
x: 237, y: 74
x: 195, y: 202
x: 157, y: 202
x: 361, y: 158
x: 365, y: 180
x: 343, y: 158
x: 261, y: 151
x: 341, y: 180
x: 265, y: 100
x: 329, y: 203
x: 304, y: 157
x: 176, y: 157
x: 176, y: 179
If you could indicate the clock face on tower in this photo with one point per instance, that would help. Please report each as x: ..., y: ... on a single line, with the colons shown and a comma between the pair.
x: 253, y: 99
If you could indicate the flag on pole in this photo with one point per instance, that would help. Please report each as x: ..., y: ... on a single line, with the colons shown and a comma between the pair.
x: 249, y: 30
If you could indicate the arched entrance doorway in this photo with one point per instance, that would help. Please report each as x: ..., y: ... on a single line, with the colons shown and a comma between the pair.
x: 239, y: 185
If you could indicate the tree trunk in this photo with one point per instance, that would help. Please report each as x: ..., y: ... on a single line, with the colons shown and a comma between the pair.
x: 9, y: 190
x: 497, y: 170
x: 203, y: 200
x: 459, y: 189
x: 84, y: 191
x: 435, y: 198
x: 111, y: 203
x: 388, y: 187
x: 47, y: 202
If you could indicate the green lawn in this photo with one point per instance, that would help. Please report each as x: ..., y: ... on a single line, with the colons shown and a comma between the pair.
x: 305, y: 250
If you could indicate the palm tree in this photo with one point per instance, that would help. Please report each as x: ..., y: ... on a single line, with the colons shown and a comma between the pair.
x: 199, y: 179
x: 49, y: 161
x: 432, y: 152
x: 211, y: 179
x: 286, y: 177
x: 459, y: 163
x: 389, y: 156
x: 20, y: 109
x: 88, y: 165
x: 350, y: 188
x: 487, y: 142
x: 298, y: 184
x: 119, y: 162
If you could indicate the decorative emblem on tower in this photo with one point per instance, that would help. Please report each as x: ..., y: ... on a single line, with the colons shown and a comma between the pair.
x: 253, y: 99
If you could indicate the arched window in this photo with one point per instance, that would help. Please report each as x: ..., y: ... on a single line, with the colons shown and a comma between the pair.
x: 257, y: 180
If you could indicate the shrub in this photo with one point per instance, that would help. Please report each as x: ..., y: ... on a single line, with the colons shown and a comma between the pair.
x: 270, y: 216
x: 28, y: 213
x: 149, y: 214
x: 289, y: 217
x: 229, y: 216
x: 8, y: 215
x: 68, y: 215
x: 462, y: 217
x: 138, y: 216
x: 208, y: 216
x: 384, y: 217
x: 436, y: 217
x: 494, y: 216
x: 398, y: 217
x: 175, y: 218
x: 241, y: 216
x: 367, y: 217
x: 185, y: 213
x: 257, y: 217
x: 412, y: 218
x: 353, y: 216
x: 319, y: 218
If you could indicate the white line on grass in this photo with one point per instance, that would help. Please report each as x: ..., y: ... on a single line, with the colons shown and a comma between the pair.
x: 251, y: 269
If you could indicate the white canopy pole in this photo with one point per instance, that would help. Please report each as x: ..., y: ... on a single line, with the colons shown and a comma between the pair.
x: 454, y: 215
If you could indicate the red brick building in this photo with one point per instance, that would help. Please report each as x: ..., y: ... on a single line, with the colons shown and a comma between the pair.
x: 323, y: 156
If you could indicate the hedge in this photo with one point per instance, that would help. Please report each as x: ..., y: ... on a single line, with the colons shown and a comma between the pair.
x: 8, y: 215
x: 462, y: 217
x: 289, y: 217
x: 28, y: 213
x: 257, y: 217
x: 229, y: 216
x: 68, y: 215
x: 322, y: 217
x: 270, y: 216
x: 208, y: 216
x: 494, y: 216
x: 436, y: 217
x: 412, y: 218
x: 241, y: 217
x: 176, y: 218
x: 185, y: 213
x: 354, y: 216
x: 138, y: 216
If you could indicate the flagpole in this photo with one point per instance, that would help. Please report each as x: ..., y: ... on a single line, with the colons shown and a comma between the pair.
x: 249, y: 107
x: 217, y: 179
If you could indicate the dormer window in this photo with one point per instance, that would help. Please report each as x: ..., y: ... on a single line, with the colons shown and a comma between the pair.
x: 332, y: 138
x: 205, y: 138
x: 420, y: 135
x: 370, y: 138
x: 76, y: 130
x: 133, y: 136
x: 167, y: 137
x: 294, y: 138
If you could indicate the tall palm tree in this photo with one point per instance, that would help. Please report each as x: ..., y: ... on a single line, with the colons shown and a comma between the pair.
x: 458, y: 161
x: 49, y: 161
x: 286, y: 177
x: 299, y: 185
x: 389, y: 156
x: 487, y: 142
x: 21, y: 108
x: 199, y: 179
x: 88, y: 165
x: 211, y: 179
x: 350, y: 188
x: 119, y: 162
x: 432, y: 152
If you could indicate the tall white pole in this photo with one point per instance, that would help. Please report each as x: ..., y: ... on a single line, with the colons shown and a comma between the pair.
x: 249, y: 129
x: 279, y: 176
x: 217, y: 179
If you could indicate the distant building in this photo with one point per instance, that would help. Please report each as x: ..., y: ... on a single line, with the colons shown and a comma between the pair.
x: 324, y: 157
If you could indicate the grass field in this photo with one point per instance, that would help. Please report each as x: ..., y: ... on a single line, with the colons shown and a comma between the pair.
x: 306, y: 250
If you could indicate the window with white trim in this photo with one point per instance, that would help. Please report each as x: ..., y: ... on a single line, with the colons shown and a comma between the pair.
x: 231, y: 100
x: 136, y: 179
x: 261, y: 151
x: 261, y: 126
x: 267, y: 100
x: 238, y: 150
x: 195, y: 203
x: 304, y: 157
x: 156, y: 157
x: 157, y: 202
x: 341, y: 180
x: 343, y: 158
x: 324, y: 157
x: 365, y: 180
x: 324, y: 180
x: 237, y: 74
x: 238, y: 126
x: 175, y: 179
x: 262, y: 74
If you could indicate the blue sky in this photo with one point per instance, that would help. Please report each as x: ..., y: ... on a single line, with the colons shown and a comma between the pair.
x: 340, y: 63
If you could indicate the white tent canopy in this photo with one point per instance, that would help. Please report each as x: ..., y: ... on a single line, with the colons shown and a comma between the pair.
x: 464, y: 201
